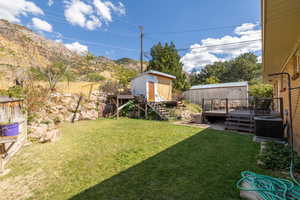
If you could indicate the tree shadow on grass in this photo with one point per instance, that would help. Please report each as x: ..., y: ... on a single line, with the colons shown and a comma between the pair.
x: 204, y: 166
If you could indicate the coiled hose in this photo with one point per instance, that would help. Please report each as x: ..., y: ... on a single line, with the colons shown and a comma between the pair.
x: 271, y: 188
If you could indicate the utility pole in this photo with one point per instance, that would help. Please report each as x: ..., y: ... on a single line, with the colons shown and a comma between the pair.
x: 142, y: 47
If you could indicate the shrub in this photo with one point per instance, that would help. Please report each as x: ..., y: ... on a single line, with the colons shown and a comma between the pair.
x: 94, y: 77
x: 35, y: 98
x: 277, y: 157
x: 261, y: 91
x: 13, y: 92
x: 127, y: 110
x: 125, y: 75
x: 113, y: 87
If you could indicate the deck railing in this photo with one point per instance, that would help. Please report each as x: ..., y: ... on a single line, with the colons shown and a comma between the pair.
x: 259, y: 106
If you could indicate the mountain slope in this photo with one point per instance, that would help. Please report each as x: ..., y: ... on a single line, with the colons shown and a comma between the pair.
x: 21, y: 49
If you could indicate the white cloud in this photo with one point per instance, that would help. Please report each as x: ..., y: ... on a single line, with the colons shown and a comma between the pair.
x: 244, y: 27
x: 50, y: 2
x: 11, y: 10
x: 104, y: 9
x: 77, y: 12
x: 77, y: 48
x: 91, y: 15
x: 93, y: 23
x: 42, y: 25
x: 219, y: 49
x: 259, y: 59
x: 58, y: 40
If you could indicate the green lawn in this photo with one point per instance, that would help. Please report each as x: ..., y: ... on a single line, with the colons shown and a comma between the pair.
x: 131, y: 160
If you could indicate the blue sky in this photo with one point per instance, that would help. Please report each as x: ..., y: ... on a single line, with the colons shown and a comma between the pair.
x: 109, y: 27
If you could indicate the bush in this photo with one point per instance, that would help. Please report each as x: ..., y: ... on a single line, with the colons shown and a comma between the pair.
x: 277, y: 157
x: 13, y: 92
x: 94, y: 77
x: 127, y: 110
x: 34, y: 96
x: 124, y: 76
x: 194, y: 108
x: 261, y: 91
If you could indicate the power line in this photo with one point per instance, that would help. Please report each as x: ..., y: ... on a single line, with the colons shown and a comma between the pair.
x: 195, y: 30
x: 62, y: 20
x: 147, y: 54
x: 218, y: 45
x: 97, y: 43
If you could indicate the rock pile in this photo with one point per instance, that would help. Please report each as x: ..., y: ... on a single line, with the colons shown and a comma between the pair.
x: 60, y: 108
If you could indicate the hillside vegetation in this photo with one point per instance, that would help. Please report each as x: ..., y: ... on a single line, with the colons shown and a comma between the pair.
x: 21, y: 49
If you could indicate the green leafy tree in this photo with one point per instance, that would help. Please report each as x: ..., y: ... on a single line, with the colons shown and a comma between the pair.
x: 52, y: 73
x: 242, y: 68
x: 261, y: 91
x: 166, y: 59
x: 212, y: 80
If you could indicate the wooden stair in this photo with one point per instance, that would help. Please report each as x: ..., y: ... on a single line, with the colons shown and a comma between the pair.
x: 160, y: 109
x: 240, y: 122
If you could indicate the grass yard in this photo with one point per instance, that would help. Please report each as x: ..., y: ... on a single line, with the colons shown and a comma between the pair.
x: 131, y: 160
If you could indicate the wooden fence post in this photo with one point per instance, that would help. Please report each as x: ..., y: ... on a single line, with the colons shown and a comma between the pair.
x: 227, y: 108
x: 77, y: 107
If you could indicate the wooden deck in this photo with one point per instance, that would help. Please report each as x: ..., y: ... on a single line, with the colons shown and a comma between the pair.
x: 225, y: 107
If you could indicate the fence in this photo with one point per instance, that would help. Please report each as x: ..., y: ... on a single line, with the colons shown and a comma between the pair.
x: 258, y: 106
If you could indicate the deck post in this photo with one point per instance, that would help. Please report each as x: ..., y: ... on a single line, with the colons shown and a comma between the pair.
x: 211, y: 105
x: 139, y: 112
x: 202, y: 104
x: 146, y: 110
x: 227, y: 108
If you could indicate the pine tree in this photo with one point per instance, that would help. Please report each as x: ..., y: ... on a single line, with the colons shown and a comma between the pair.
x: 166, y: 59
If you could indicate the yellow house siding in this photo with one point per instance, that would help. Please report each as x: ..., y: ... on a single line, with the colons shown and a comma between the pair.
x: 295, y: 100
x: 164, y: 88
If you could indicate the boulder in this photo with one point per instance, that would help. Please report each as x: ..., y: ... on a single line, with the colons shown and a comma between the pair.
x: 50, y: 136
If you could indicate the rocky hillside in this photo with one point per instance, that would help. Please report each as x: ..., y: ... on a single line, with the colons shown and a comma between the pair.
x: 21, y: 49
x: 19, y: 46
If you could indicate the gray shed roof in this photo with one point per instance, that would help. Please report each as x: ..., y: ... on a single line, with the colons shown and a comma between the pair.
x: 157, y: 73
x: 220, y: 85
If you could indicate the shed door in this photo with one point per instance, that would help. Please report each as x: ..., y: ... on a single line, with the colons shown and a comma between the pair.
x: 151, y: 95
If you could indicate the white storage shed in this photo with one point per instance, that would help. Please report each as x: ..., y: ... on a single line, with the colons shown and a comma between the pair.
x: 155, y: 86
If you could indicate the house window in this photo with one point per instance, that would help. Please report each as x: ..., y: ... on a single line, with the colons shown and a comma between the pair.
x: 296, y: 65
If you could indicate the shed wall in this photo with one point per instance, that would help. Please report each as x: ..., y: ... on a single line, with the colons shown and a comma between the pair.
x: 139, y: 86
x: 196, y: 95
x: 162, y: 87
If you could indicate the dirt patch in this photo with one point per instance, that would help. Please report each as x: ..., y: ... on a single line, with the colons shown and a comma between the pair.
x: 188, y: 123
x: 20, y: 187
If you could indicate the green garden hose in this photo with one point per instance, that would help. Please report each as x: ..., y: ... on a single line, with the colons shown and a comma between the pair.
x: 269, y: 188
